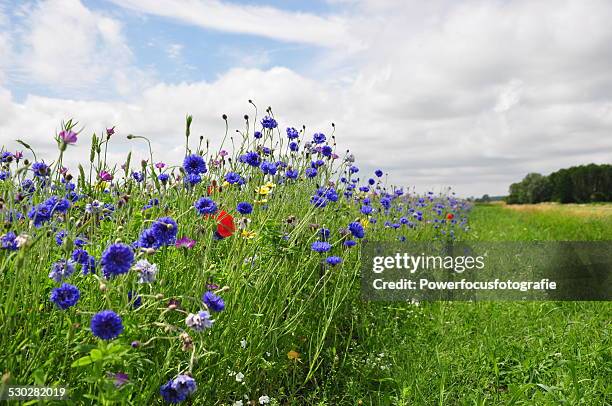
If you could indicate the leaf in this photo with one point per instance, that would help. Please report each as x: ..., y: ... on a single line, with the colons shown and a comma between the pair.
x: 81, y: 362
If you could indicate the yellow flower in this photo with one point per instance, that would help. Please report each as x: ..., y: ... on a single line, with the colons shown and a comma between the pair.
x: 293, y: 355
x: 270, y: 185
x: 263, y: 190
x: 365, y: 223
x: 248, y: 234
x: 225, y: 184
x: 262, y: 201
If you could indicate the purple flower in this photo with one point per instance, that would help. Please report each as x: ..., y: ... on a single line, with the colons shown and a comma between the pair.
x: 213, y: 302
x: 105, y: 176
x: 68, y: 136
x: 185, y: 242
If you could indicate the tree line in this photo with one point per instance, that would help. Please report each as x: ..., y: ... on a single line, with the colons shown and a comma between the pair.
x: 578, y: 184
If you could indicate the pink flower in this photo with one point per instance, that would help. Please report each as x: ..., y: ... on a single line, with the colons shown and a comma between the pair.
x: 105, y: 176
x: 160, y: 165
x: 223, y: 152
x: 110, y: 131
x: 68, y: 136
x: 185, y: 242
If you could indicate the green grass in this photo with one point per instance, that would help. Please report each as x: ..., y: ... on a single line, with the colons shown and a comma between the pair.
x: 494, y: 353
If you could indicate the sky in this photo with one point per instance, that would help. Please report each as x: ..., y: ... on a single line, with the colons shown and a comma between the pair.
x: 467, y: 94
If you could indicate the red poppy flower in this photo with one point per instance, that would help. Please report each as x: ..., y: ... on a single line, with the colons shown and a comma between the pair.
x: 225, y: 224
x: 450, y: 216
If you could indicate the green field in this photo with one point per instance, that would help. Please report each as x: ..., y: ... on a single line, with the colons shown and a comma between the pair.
x: 497, y: 353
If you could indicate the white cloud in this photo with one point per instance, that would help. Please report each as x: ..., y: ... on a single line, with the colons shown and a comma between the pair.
x: 262, y: 21
x: 71, y: 49
x: 472, y: 94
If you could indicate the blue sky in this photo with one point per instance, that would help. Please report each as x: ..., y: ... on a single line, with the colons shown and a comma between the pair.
x: 465, y: 93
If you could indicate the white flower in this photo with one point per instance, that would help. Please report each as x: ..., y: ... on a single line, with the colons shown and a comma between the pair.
x: 263, y: 400
x: 147, y: 271
x: 238, y: 403
x: 199, y: 321
x: 243, y: 343
x: 239, y: 377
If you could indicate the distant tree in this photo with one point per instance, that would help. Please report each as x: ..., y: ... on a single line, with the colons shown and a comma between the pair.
x: 578, y: 184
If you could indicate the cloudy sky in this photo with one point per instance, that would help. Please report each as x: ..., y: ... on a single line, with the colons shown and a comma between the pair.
x: 469, y: 94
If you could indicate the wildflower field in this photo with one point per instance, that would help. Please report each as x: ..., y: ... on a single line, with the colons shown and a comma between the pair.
x: 231, y: 277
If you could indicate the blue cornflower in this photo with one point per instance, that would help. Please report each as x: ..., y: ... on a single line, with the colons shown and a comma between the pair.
x: 353, y: 169
x: 385, y: 202
x: 205, y: 205
x: 244, y: 208
x: 269, y: 123
x: 268, y: 168
x: 80, y: 256
x: 292, y: 133
x: 318, y: 163
x: 319, y: 138
x: 331, y: 195
x: 257, y: 134
x: 292, y: 173
x: 138, y: 176
x: 293, y: 146
x: 371, y: 182
x: 59, y: 237
x: 148, y: 239
x: 320, y: 246
x: 9, y: 241
x: 311, y: 172
x: 356, y: 229
x: 232, y: 177
x: 27, y: 186
x: 163, y: 177
x: 213, y: 302
x: 65, y: 296
x: 194, y: 164
x: 40, y: 169
x: 378, y: 173
x: 350, y: 243
x: 57, y: 204
x: 106, y: 325
x: 61, y: 269
x: 6, y: 157
x: 165, y: 228
x: 184, y: 384
x: 40, y: 214
x: 364, y: 189
x: 89, y: 266
x: 365, y: 209
x: 171, y: 395
x: 134, y: 299
x: 266, y: 150
x: 80, y: 242
x: 4, y: 175
x: 324, y: 233
x: 327, y: 151
x: 193, y: 178
x: 251, y: 158
x: 117, y: 259
x: 333, y: 261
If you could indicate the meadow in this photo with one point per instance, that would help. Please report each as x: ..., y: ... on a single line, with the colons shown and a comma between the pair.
x: 231, y: 277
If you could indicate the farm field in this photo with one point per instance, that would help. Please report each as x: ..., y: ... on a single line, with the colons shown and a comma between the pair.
x: 236, y: 281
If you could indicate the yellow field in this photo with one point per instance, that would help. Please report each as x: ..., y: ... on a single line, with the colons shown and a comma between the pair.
x: 584, y: 210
